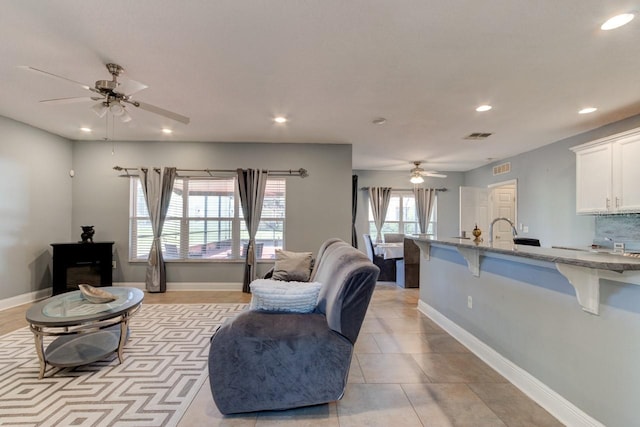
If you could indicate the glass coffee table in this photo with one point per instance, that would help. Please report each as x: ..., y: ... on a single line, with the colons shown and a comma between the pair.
x: 85, y: 332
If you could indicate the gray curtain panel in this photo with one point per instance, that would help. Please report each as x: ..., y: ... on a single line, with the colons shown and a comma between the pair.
x: 424, y: 205
x: 379, y: 198
x: 354, y: 210
x: 251, y: 186
x: 157, y: 186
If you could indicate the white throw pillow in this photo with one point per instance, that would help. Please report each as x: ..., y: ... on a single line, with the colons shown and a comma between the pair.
x: 292, y: 266
x: 276, y: 295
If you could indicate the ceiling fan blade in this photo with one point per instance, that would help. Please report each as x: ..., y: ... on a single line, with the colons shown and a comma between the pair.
x: 69, y: 100
x: 435, y: 174
x: 83, y: 85
x: 129, y: 87
x: 161, y: 111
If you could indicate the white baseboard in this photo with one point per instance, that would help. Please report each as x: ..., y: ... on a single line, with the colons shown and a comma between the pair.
x: 195, y: 286
x: 554, y: 403
x: 189, y: 286
x: 24, y: 298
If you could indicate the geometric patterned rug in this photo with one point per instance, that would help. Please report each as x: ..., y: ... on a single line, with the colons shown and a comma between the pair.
x: 165, y: 364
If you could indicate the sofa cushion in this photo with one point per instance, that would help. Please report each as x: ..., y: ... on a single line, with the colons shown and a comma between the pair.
x: 276, y: 295
x: 292, y: 266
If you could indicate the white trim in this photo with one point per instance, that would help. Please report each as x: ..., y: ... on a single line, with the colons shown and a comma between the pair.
x: 176, y: 286
x: 189, y: 286
x: 606, y: 139
x: 558, y: 406
x: 24, y: 298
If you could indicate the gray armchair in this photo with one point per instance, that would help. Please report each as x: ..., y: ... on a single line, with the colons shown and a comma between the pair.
x: 274, y: 360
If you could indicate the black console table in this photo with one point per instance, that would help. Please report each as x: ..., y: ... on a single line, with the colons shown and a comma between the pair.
x: 76, y: 263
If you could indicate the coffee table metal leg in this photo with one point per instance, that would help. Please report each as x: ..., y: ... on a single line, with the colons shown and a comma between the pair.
x: 123, y: 337
x: 39, y: 341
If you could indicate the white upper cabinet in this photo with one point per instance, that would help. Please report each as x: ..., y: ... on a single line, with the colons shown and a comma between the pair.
x: 626, y: 178
x: 608, y: 174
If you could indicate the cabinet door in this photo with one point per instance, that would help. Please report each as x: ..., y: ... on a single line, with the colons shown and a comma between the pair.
x: 626, y: 178
x: 593, y: 179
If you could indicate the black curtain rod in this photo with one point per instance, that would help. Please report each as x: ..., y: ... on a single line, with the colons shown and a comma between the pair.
x: 283, y: 172
x: 408, y: 189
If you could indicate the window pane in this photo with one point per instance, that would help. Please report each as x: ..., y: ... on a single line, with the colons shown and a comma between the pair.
x: 175, y: 203
x: 207, y: 232
x: 144, y: 238
x: 391, y: 227
x: 211, y: 198
x: 411, y: 228
x: 409, y: 208
x: 210, y: 239
x: 141, y: 204
x: 393, y: 211
x: 372, y: 230
x: 431, y: 228
x: 274, y: 199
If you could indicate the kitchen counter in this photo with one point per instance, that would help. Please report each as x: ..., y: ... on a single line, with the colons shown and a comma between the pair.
x: 602, y: 260
x: 554, y: 322
x: 583, y: 269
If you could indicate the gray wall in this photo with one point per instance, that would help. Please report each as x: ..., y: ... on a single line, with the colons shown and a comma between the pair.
x: 530, y: 315
x: 448, y: 201
x: 35, y: 205
x: 318, y: 207
x: 547, y: 188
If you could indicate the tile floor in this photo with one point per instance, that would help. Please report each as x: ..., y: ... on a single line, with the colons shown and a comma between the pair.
x: 406, y: 371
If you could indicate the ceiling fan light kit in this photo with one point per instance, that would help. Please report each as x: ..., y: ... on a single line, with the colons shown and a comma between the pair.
x: 418, y: 174
x: 111, y: 99
x: 416, y: 179
x: 100, y: 109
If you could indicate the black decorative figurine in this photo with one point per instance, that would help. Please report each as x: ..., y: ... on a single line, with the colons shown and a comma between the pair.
x: 87, y: 233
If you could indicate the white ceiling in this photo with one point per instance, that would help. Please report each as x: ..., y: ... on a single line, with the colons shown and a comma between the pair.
x: 331, y: 66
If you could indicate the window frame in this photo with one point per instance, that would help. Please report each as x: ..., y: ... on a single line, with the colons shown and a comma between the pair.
x: 432, y: 224
x: 238, y: 229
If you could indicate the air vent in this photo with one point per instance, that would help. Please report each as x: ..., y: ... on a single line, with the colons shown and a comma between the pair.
x: 478, y: 135
x: 502, y: 169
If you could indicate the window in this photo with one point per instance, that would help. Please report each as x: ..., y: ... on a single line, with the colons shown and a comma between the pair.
x: 401, y: 216
x: 205, y: 222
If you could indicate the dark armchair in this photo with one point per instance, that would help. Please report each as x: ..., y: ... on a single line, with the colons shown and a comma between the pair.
x: 387, y: 266
x: 263, y: 360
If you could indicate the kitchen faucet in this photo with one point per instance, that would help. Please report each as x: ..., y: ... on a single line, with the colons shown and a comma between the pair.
x: 513, y: 228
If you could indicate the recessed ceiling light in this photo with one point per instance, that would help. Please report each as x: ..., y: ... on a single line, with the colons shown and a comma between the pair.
x: 379, y: 121
x: 587, y: 110
x: 280, y: 119
x: 85, y: 129
x: 167, y: 130
x: 617, y: 21
x: 483, y: 108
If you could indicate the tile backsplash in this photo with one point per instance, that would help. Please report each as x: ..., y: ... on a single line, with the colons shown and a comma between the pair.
x: 623, y: 228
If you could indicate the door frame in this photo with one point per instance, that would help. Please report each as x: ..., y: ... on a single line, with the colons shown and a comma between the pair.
x: 493, y: 187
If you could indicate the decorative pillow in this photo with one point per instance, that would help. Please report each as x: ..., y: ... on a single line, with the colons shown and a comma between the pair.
x: 276, y: 295
x: 292, y: 266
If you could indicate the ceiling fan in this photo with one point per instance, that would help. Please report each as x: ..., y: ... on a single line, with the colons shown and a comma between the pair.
x: 113, y: 96
x: 417, y: 174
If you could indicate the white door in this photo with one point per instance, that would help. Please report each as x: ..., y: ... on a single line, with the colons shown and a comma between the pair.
x: 474, y: 209
x: 503, y: 205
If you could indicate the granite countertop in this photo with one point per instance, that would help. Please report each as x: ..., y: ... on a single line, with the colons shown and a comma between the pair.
x: 583, y: 258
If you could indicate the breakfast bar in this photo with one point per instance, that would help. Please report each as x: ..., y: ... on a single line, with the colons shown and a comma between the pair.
x: 582, y: 268
x: 560, y: 324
